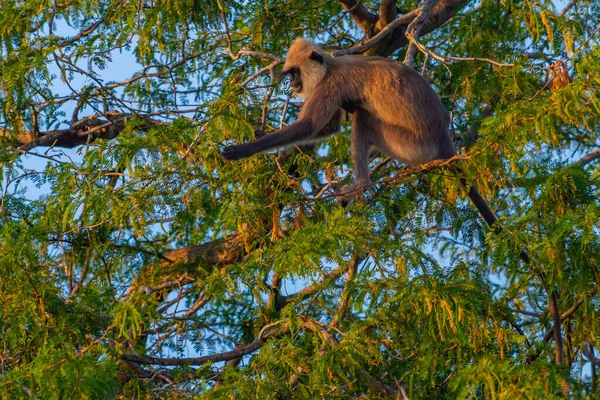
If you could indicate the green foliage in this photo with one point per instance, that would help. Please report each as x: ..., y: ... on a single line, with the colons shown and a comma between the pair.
x: 139, y: 264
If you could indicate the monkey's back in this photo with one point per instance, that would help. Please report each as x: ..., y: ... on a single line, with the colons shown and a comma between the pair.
x: 414, y: 122
x: 394, y: 91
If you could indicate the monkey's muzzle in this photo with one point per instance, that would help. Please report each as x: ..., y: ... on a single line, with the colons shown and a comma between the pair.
x: 295, y: 79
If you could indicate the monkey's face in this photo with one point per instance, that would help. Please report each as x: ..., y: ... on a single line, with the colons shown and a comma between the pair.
x: 306, y: 65
x: 304, y: 78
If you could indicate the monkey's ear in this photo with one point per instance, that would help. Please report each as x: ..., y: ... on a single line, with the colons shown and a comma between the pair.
x: 316, y: 57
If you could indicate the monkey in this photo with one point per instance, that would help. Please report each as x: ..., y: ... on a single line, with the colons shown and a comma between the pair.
x: 393, y: 108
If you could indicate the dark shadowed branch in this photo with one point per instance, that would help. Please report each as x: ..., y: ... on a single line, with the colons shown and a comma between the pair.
x: 363, y: 18
x: 385, y: 38
x: 86, y: 130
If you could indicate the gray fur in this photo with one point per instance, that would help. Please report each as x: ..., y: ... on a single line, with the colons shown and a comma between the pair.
x: 393, y: 107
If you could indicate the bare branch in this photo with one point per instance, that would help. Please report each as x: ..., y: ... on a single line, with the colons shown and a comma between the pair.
x: 567, y: 8
x: 186, y: 259
x: 414, y: 29
x: 342, y: 308
x: 260, y: 72
x: 83, y: 33
x: 550, y: 333
x: 447, y: 59
x: 588, y: 351
x: 150, y: 375
x: 439, y: 15
x: 258, y: 54
x: 83, y: 274
x: 387, y: 13
x: 584, y: 43
x: 365, y: 19
x: 86, y: 130
x: 213, y: 358
x: 307, y: 291
x: 589, y: 157
x: 185, y: 278
x: 369, y: 44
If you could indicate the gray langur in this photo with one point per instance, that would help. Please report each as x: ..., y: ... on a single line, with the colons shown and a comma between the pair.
x: 393, y: 108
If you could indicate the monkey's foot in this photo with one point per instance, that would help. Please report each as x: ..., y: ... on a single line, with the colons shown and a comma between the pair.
x: 349, y: 194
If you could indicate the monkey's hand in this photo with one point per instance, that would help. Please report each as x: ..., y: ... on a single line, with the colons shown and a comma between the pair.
x: 242, y: 150
x: 233, y: 153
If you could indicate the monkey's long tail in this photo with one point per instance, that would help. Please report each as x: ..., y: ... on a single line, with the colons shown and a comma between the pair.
x: 488, y: 215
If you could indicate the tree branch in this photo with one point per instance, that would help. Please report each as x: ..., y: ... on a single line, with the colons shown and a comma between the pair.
x: 83, y: 131
x: 557, y: 321
x: 550, y: 333
x: 185, y: 260
x: 587, y: 351
x: 363, y: 18
x: 373, y: 383
x: 414, y: 29
x: 392, y: 31
x: 588, y: 158
x: 387, y: 13
x: 342, y: 308
x: 83, y: 33
x: 370, y: 44
x: 213, y: 358
x: 439, y: 15
x: 567, y: 8
x: 307, y: 291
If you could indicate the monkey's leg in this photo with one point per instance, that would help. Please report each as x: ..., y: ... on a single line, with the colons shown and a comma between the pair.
x: 359, y: 149
x: 297, y: 133
x: 332, y: 127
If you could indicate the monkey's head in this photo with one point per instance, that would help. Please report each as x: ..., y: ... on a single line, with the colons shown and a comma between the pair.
x: 306, y: 64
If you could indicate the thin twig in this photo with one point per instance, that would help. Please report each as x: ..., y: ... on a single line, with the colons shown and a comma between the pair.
x: 260, y: 72
x: 342, y: 308
x: 284, y: 112
x: 448, y: 59
x: 583, y: 43
x: 258, y: 54
x: 567, y: 8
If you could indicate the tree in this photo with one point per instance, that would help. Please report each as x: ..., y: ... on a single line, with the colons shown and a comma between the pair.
x: 149, y: 267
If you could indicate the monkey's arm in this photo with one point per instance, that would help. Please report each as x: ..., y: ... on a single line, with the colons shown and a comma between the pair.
x: 284, y: 137
x: 318, y: 118
x: 332, y: 127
